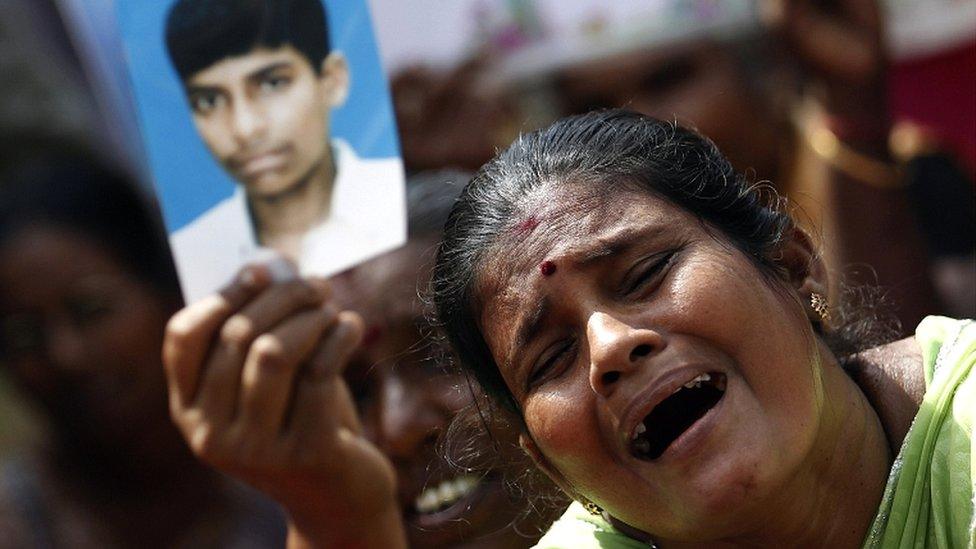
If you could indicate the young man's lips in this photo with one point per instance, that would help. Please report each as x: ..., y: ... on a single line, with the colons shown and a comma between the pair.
x: 255, y: 164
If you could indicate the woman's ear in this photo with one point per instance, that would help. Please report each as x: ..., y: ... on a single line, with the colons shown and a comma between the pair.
x: 540, y: 460
x: 800, y: 260
x: 805, y: 271
x: 334, y: 75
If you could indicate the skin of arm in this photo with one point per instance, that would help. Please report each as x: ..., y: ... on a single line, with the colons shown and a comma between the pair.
x: 892, y: 379
x: 255, y: 387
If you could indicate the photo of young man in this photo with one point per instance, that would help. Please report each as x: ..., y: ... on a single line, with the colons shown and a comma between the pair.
x: 261, y: 82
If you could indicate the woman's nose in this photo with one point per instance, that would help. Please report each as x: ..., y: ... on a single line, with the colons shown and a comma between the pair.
x: 616, y: 350
x: 407, y: 420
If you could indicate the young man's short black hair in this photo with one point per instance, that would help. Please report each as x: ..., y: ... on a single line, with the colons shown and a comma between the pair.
x: 200, y: 33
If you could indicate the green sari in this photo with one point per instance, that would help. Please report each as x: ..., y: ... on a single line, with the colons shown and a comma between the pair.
x: 928, y: 500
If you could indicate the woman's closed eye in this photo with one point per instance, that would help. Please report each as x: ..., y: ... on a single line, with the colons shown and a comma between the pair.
x: 551, y: 362
x: 646, y: 273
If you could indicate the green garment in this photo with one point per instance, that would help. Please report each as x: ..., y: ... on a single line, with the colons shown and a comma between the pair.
x: 577, y: 528
x: 928, y: 500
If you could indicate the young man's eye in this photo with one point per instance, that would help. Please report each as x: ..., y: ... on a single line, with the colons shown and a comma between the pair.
x: 274, y: 83
x: 204, y: 103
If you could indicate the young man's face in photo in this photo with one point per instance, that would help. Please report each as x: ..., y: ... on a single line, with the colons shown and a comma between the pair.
x: 265, y: 115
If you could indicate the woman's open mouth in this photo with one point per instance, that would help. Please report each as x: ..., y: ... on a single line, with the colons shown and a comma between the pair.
x: 463, y: 507
x: 436, y: 498
x: 676, y: 414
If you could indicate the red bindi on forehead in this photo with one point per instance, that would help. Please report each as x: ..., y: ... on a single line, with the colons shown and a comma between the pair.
x: 547, y: 268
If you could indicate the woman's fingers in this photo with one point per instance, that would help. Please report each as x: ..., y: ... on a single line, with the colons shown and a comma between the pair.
x: 217, y: 395
x: 258, y: 361
x: 268, y: 378
x: 839, y: 40
x: 340, y: 343
x: 322, y: 403
x: 191, y: 331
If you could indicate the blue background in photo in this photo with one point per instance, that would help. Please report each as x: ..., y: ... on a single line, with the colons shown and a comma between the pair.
x: 189, y: 181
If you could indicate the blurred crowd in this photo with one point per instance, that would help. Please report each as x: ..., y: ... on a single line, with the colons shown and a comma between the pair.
x: 875, y: 147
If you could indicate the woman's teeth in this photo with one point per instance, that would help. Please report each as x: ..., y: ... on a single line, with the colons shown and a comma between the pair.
x: 695, y: 383
x: 445, y: 494
x: 675, y: 414
x: 698, y: 381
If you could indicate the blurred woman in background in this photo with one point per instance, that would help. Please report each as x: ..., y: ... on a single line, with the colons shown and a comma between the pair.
x: 86, y: 287
x: 483, y: 493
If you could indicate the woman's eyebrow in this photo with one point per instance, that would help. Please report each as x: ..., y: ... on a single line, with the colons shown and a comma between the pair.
x: 602, y: 250
x: 615, y: 244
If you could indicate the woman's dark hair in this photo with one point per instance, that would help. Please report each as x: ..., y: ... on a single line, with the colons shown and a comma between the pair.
x: 74, y: 191
x: 600, y: 148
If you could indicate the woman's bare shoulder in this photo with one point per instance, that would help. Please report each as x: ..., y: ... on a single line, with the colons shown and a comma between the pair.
x: 892, y: 379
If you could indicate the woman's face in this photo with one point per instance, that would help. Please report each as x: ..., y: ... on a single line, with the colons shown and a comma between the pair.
x: 82, y: 336
x: 658, y: 372
x: 407, y: 399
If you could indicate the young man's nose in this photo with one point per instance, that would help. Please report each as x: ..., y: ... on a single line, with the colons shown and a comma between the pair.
x: 407, y: 419
x: 617, y: 349
x: 248, y: 121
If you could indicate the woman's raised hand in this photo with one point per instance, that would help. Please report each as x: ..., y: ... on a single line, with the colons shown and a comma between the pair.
x: 840, y: 45
x: 255, y: 387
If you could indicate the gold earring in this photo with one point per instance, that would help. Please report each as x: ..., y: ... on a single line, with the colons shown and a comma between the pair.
x: 821, y: 306
x: 591, y: 507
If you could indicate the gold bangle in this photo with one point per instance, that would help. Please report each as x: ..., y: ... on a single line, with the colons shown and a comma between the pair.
x: 856, y: 165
